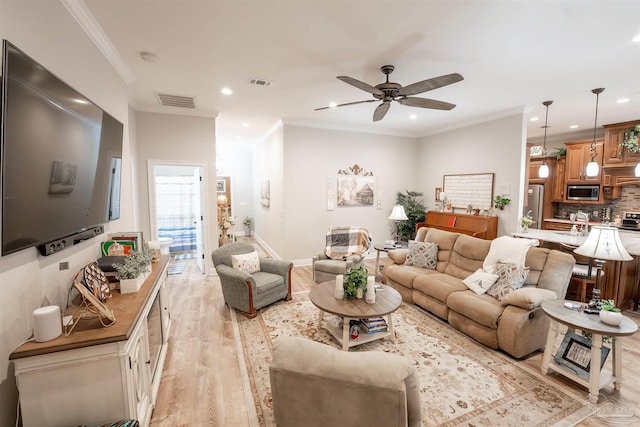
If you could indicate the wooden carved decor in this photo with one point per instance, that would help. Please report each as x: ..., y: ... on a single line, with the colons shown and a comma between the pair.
x: 354, y: 170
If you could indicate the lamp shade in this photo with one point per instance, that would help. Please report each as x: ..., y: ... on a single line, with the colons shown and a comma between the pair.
x: 604, y: 243
x: 543, y: 172
x: 592, y: 168
x: 398, y: 214
x: 222, y: 199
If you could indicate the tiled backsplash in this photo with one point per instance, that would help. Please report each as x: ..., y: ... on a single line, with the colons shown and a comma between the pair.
x: 628, y: 202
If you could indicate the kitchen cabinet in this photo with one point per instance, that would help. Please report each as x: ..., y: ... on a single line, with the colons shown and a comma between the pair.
x: 578, y: 155
x: 99, y: 375
x: 558, y: 186
x: 614, y: 154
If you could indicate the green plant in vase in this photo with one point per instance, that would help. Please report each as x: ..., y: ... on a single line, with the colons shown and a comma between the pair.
x: 355, y: 278
x: 415, y: 210
x: 500, y: 202
x: 609, y: 313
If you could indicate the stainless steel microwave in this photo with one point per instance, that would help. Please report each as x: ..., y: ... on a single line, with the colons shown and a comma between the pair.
x: 583, y: 192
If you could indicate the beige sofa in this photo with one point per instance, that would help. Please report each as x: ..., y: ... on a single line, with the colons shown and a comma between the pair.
x: 315, y: 385
x: 516, y: 329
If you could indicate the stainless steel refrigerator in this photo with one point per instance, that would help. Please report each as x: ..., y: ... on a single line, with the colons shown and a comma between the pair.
x: 535, y: 197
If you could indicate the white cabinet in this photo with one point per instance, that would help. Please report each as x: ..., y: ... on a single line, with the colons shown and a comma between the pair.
x: 99, y: 375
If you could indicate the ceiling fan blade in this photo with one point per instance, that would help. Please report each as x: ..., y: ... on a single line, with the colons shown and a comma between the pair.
x: 361, y: 85
x: 348, y: 103
x: 430, y: 84
x: 426, y: 103
x: 381, y: 110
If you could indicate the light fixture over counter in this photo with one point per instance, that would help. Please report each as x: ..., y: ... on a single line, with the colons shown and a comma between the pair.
x: 543, y: 172
x: 592, y: 167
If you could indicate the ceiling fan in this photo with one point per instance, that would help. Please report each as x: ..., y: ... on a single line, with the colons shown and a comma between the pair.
x: 390, y: 91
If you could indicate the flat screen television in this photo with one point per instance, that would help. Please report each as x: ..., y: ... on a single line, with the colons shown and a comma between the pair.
x: 61, y: 157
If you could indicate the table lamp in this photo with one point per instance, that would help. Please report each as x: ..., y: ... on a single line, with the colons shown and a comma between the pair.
x: 603, y: 243
x: 398, y: 214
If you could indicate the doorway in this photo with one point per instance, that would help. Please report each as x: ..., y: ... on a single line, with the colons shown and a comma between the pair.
x: 176, y: 209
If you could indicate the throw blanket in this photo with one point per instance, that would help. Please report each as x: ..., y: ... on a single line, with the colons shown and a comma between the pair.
x: 507, y: 250
x: 342, y: 242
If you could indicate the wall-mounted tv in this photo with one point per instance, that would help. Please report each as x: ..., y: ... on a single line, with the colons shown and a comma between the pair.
x: 61, y: 157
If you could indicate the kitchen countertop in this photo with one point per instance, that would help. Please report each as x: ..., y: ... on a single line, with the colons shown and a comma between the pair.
x: 630, y: 239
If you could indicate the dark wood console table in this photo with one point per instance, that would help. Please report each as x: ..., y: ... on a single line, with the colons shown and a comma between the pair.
x: 484, y: 227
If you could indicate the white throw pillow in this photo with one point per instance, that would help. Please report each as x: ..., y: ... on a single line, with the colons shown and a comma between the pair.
x: 422, y: 254
x: 249, y: 263
x: 480, y: 281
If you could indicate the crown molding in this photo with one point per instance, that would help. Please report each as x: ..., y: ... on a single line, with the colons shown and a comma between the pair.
x: 348, y: 128
x: 83, y: 16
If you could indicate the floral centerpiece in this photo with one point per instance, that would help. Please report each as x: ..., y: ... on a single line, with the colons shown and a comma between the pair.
x: 132, y: 271
x: 631, y: 139
x: 227, y: 222
x: 526, y: 221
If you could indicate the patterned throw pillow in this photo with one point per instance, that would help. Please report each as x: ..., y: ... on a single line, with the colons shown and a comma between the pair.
x: 510, y: 278
x: 422, y: 254
x: 249, y: 263
x: 480, y: 281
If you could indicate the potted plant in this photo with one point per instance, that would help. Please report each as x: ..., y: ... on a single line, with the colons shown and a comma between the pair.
x: 355, y: 281
x: 132, y: 273
x: 248, y: 225
x: 415, y: 210
x: 609, y: 313
x: 500, y: 202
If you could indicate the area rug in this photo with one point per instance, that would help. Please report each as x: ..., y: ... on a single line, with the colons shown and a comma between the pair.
x: 462, y: 382
x: 176, y: 268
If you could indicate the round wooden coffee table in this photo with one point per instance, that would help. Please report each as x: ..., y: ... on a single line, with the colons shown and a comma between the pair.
x: 387, y: 301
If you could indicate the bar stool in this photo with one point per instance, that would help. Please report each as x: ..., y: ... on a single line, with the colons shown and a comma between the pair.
x: 584, y: 272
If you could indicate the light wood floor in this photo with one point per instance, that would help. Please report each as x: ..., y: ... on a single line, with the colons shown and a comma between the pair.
x: 201, y: 384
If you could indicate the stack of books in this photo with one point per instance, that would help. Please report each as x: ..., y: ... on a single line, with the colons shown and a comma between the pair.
x: 373, y: 325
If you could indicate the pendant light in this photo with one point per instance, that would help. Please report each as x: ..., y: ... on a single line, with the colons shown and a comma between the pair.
x: 592, y: 166
x: 543, y: 172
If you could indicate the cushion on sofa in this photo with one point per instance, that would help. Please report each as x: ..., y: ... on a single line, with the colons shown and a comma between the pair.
x: 398, y: 256
x: 510, y: 278
x: 445, y: 240
x: 467, y: 256
x: 438, y: 285
x: 482, y: 309
x: 528, y: 297
x: 422, y: 254
x: 480, y: 281
x: 405, y: 274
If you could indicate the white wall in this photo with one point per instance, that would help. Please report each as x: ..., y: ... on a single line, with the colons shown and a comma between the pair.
x: 268, y: 164
x: 235, y: 160
x: 312, y: 154
x: 48, y: 33
x: 497, y: 146
x: 178, y: 138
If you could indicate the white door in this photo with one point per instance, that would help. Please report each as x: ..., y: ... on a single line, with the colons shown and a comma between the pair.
x: 199, y: 219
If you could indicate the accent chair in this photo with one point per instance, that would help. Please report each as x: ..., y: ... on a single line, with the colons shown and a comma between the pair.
x: 249, y: 292
x: 345, y: 247
x: 316, y: 385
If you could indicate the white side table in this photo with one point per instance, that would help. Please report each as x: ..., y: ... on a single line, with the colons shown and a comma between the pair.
x: 574, y: 319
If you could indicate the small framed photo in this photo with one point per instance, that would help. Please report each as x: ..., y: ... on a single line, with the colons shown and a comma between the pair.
x: 221, y: 186
x: 438, y: 191
x: 575, y: 353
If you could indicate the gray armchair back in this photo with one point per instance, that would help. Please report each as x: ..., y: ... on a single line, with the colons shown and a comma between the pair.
x: 246, y: 292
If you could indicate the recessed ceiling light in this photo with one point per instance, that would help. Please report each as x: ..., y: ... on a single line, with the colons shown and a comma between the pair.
x: 622, y: 100
x: 413, y: 117
x: 534, y: 119
x: 245, y: 125
x: 332, y: 105
x: 636, y: 38
x: 573, y: 127
x: 226, y: 91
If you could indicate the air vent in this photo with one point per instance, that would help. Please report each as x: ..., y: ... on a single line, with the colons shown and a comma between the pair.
x: 176, y: 100
x: 260, y: 82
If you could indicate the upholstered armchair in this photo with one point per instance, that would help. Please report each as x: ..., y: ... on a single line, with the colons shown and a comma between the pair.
x: 315, y: 385
x: 345, y: 247
x: 245, y: 290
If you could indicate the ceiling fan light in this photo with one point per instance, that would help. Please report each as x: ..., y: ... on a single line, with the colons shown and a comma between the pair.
x: 543, y: 172
x: 592, y: 168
